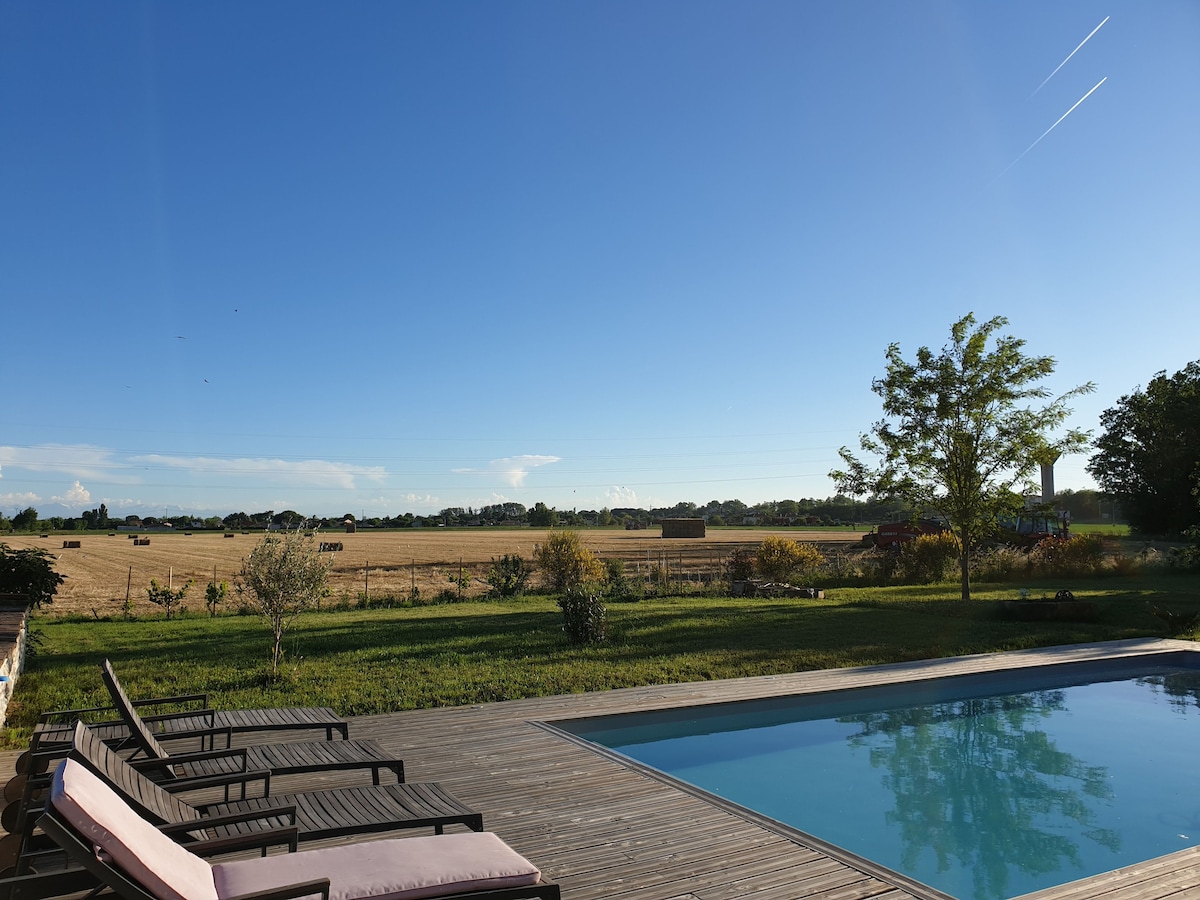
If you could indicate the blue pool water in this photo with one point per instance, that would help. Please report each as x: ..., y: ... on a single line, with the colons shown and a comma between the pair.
x: 981, y: 786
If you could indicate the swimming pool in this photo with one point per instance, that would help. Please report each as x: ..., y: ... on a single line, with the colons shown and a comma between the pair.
x: 982, y: 786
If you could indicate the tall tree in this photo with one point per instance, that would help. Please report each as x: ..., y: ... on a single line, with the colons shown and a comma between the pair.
x: 959, y: 439
x: 1149, y: 454
x: 25, y: 520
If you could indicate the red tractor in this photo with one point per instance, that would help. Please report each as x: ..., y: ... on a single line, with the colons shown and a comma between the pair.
x: 891, y: 535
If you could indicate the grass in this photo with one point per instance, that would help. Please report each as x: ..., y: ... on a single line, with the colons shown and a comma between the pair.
x: 373, y: 661
x: 1108, y: 530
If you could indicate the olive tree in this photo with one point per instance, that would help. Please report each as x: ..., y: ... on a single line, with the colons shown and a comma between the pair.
x: 283, y: 576
x: 960, y: 437
x: 30, y: 573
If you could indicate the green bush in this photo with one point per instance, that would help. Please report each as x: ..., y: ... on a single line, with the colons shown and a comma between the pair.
x: 928, y: 559
x: 1077, y: 556
x: 29, y: 572
x: 585, y: 618
x: 170, y: 600
x: 619, y: 588
x: 509, y: 575
x: 998, y: 564
x: 739, y: 566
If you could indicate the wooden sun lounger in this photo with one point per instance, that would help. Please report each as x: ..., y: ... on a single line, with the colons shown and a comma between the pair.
x: 317, y: 814
x: 199, y: 722
x: 108, y: 839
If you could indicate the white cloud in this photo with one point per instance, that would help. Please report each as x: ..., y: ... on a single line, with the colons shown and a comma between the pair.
x: 27, y: 498
x: 76, y: 461
x: 512, y: 469
x: 318, y: 472
x: 77, y: 495
x: 621, y: 497
x: 421, y: 499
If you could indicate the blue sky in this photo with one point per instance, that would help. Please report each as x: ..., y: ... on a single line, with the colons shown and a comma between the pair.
x: 380, y: 257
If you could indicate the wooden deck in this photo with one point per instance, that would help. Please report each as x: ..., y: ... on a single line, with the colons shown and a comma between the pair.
x: 603, y: 829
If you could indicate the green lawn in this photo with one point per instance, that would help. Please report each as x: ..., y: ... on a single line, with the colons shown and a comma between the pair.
x: 381, y: 660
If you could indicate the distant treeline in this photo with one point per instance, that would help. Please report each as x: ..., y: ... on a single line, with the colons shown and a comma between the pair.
x: 1084, y: 506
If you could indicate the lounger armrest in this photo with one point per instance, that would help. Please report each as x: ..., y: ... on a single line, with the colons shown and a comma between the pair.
x: 46, y: 884
x: 259, y: 840
x: 253, y: 815
x: 204, y: 715
x: 178, y: 700
x: 180, y: 759
x: 194, y: 783
x: 231, y: 779
x: 288, y: 892
x: 70, y: 715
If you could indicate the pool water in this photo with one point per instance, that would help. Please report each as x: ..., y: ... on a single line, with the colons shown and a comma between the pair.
x: 979, y: 786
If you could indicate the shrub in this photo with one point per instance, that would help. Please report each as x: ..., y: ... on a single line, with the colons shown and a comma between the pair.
x: 1183, y: 559
x: 620, y: 588
x: 929, y: 558
x: 461, y: 581
x: 29, y: 572
x: 214, y: 595
x: 1079, y: 555
x: 585, y: 617
x: 998, y: 564
x: 778, y: 558
x: 878, y: 566
x: 565, y: 563
x: 509, y: 575
x: 739, y: 566
x: 162, y: 595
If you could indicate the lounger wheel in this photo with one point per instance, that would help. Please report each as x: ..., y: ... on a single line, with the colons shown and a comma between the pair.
x: 10, y: 852
x: 25, y: 764
x: 15, y: 789
x: 10, y: 818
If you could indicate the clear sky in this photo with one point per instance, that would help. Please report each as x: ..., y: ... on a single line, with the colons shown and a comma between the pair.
x: 378, y: 257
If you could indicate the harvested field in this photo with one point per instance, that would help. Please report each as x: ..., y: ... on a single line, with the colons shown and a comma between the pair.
x: 379, y: 563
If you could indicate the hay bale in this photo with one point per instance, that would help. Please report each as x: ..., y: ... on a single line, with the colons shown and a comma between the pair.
x: 683, y: 528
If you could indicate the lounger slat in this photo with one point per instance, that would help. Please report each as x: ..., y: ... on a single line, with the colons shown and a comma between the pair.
x: 359, y: 810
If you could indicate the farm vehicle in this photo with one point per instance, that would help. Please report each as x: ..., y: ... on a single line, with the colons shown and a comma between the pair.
x: 1024, y: 531
x: 890, y: 535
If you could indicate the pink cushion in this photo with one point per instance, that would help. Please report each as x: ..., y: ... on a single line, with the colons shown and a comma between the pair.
x: 149, y: 857
x: 398, y: 869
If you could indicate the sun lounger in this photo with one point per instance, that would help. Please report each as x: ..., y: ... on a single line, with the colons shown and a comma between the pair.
x: 317, y: 814
x: 125, y: 852
x: 314, y: 814
x: 202, y: 723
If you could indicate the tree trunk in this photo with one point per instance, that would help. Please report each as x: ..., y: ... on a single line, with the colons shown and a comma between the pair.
x: 964, y: 564
x: 276, y: 650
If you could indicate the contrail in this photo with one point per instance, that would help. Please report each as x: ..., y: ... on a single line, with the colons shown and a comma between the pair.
x: 1069, y: 55
x: 1052, y: 127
